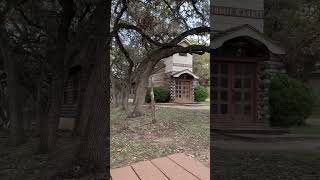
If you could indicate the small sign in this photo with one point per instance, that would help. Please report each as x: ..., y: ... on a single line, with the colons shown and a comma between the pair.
x: 237, y: 12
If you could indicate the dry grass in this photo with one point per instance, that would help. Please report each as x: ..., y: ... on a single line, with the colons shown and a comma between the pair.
x: 176, y: 130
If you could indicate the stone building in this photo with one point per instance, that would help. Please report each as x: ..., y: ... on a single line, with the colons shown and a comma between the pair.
x: 243, y: 60
x: 177, y: 76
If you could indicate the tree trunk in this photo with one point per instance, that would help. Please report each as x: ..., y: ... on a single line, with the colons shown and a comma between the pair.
x: 141, y: 87
x: 115, y: 94
x: 2, y: 117
x: 93, y: 149
x: 125, y: 96
x: 48, y: 139
x: 56, y: 56
x: 39, y: 109
x: 83, y: 85
x: 15, y: 106
x: 152, y: 104
x: 3, y: 108
x: 139, y: 97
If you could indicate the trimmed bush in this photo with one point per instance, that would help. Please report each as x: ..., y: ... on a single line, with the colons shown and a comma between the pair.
x: 161, y: 94
x: 200, y: 93
x: 291, y: 101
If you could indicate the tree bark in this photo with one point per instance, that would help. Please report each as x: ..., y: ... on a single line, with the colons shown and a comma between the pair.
x: 93, y: 149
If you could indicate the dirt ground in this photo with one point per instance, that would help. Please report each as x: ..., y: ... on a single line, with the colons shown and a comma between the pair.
x: 176, y: 130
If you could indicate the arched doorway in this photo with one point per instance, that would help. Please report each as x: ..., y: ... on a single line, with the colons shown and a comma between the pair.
x: 235, y: 71
x: 183, y: 86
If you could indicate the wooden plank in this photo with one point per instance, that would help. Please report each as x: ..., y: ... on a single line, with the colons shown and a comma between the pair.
x: 172, y: 170
x: 192, y: 165
x: 147, y: 171
x: 125, y: 173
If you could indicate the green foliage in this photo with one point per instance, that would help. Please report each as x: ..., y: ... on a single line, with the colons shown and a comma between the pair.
x: 161, y: 94
x: 200, y: 93
x: 291, y: 101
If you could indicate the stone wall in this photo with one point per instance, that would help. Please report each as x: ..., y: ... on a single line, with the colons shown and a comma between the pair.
x: 266, y: 70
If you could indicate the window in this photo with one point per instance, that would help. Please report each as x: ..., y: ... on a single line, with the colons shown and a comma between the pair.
x: 183, y: 54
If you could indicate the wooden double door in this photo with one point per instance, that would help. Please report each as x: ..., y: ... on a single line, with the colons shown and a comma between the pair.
x: 183, y: 92
x: 233, y: 93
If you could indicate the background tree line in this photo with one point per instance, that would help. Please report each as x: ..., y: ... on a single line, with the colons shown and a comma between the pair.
x: 295, y: 24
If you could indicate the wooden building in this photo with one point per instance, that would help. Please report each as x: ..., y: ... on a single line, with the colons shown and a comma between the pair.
x: 243, y: 60
x: 177, y: 76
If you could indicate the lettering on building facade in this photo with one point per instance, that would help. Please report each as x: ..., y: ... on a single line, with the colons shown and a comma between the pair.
x: 182, y: 65
x: 237, y: 12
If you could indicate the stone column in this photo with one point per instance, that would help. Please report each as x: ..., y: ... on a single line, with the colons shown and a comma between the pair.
x: 265, y: 72
x: 172, y: 89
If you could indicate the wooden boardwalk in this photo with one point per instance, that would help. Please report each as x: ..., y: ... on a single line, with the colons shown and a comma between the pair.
x: 173, y: 167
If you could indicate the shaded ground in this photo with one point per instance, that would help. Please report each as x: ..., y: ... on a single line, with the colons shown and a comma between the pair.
x: 176, y: 130
x: 25, y: 163
x: 291, y: 160
x: 258, y: 165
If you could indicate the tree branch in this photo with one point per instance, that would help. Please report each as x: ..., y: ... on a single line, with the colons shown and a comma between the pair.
x: 164, y: 53
x: 194, y: 2
x: 194, y: 31
x: 140, y: 31
x: 124, y: 51
x: 176, y: 15
x: 123, y: 9
x: 29, y: 21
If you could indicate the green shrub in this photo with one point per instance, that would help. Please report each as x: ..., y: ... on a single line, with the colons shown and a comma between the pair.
x: 200, y: 93
x: 291, y: 101
x: 161, y: 94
